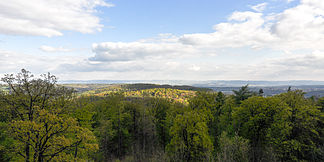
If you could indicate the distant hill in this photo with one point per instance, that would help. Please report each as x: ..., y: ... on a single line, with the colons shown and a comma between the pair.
x: 270, y: 88
x: 202, y: 83
x: 98, y: 88
x: 142, y: 86
x: 310, y: 90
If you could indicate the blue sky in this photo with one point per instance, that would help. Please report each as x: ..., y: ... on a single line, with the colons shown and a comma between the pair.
x: 170, y: 39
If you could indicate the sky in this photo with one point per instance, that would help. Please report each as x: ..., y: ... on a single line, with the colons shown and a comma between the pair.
x: 164, y: 40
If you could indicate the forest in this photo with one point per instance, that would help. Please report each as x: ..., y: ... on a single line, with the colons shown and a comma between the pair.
x: 42, y: 120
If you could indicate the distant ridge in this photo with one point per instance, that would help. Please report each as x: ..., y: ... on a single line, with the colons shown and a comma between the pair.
x: 207, y: 83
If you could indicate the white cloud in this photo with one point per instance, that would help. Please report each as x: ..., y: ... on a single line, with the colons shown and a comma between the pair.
x: 49, y: 17
x: 111, y: 51
x: 288, y: 1
x: 294, y: 29
x: 297, y: 28
x: 259, y: 7
x: 12, y: 62
x: 294, y: 38
x: 45, y: 48
x: 194, y: 68
x: 293, y: 67
x: 301, y: 26
x: 243, y: 29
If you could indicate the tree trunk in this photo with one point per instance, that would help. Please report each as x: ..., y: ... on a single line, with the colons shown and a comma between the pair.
x: 76, y: 152
x: 27, y: 153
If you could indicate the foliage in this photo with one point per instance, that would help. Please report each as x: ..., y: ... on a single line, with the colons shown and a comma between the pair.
x: 43, y: 121
x: 256, y: 118
x: 159, y: 110
x: 113, y: 129
x: 242, y: 94
x: 50, y: 134
x: 303, y: 139
x: 209, y: 105
x: 190, y: 139
x: 233, y: 149
x: 176, y: 95
x: 226, y: 116
x: 37, y: 114
x: 7, y: 144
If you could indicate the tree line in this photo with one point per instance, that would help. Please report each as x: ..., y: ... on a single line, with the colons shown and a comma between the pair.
x: 43, y: 121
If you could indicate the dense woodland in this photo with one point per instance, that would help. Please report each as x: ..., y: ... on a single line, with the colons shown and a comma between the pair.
x: 44, y: 121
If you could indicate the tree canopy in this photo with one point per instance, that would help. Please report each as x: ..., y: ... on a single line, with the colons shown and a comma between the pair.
x: 41, y: 120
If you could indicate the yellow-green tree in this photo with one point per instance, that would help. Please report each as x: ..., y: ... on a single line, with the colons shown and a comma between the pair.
x: 53, y: 137
x: 209, y: 104
x: 304, y: 141
x: 190, y: 139
x: 233, y: 149
x: 37, y: 111
x: 257, y: 119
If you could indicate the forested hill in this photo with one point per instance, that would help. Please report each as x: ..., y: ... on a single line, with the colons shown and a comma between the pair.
x: 98, y: 88
x: 140, y: 86
x: 43, y: 121
x: 175, y: 93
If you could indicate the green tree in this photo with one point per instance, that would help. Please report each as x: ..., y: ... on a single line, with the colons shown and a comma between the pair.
x: 303, y: 141
x: 233, y: 149
x: 83, y: 110
x: 7, y: 144
x: 226, y: 116
x: 261, y: 92
x: 190, y: 139
x: 159, y: 110
x: 114, y: 126
x: 320, y: 104
x: 51, y: 136
x: 242, y: 94
x: 28, y: 97
x: 256, y: 118
x: 210, y: 105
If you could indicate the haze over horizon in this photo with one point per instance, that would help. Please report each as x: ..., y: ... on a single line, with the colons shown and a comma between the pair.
x: 205, y: 83
x: 253, y: 40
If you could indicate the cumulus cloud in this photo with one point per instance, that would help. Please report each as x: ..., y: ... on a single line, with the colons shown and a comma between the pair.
x: 49, y: 17
x: 293, y: 67
x: 169, y: 56
x: 12, y: 62
x: 244, y: 29
x: 300, y: 27
x: 111, y: 51
x: 306, y: 66
x: 296, y: 35
x: 45, y: 48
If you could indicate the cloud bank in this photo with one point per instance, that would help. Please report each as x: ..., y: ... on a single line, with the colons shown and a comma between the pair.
x: 45, y: 48
x: 49, y: 17
x: 250, y: 45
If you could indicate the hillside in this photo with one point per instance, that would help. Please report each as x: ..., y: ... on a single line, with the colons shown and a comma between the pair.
x: 146, y: 122
x: 175, y: 93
